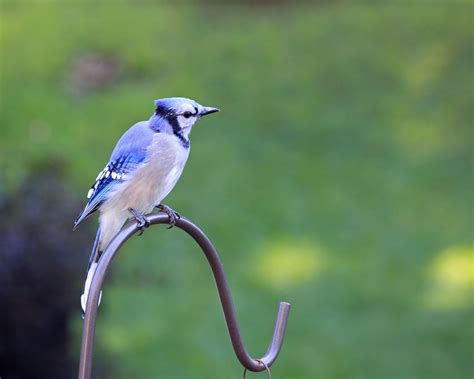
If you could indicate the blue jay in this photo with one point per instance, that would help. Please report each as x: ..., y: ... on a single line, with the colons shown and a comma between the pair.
x: 143, y: 169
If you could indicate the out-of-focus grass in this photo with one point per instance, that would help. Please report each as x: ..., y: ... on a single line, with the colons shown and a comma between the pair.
x: 344, y: 149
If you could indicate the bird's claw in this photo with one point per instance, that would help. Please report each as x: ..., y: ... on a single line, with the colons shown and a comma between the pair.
x: 142, y: 221
x: 173, y: 216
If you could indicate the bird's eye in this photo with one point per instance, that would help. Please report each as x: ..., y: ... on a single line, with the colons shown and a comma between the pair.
x: 187, y: 114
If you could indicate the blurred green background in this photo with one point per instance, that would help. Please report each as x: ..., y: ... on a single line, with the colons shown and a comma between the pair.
x: 337, y: 177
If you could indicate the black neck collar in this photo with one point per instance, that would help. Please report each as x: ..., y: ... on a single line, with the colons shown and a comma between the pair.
x: 171, y: 117
x: 184, y: 141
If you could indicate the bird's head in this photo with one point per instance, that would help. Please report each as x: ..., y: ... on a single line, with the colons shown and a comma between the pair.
x: 180, y: 114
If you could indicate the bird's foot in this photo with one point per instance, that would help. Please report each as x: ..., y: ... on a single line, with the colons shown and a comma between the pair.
x: 173, y: 216
x: 142, y: 221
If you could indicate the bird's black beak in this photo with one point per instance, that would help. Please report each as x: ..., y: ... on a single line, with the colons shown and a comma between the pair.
x: 207, y: 110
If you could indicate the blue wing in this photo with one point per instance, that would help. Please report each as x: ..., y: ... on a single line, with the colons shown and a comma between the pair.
x: 129, y: 153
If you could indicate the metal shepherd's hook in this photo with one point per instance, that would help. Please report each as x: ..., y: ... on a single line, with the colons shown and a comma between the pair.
x: 251, y: 364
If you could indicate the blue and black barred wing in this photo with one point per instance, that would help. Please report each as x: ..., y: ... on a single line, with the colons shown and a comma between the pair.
x: 130, y: 151
x: 114, y: 173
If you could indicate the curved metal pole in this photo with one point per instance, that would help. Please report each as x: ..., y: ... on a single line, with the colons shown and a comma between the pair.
x: 85, y: 363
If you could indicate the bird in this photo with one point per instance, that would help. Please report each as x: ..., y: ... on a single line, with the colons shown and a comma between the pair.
x: 144, y: 167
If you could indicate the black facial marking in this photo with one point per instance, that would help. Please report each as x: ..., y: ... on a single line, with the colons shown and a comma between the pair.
x: 177, y: 131
x: 172, y: 118
x: 163, y: 112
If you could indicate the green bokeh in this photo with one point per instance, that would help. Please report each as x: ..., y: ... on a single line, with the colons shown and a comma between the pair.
x: 338, y: 177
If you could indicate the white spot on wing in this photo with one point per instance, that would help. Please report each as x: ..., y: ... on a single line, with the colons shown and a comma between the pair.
x: 107, y: 174
x: 114, y: 175
x: 89, y: 194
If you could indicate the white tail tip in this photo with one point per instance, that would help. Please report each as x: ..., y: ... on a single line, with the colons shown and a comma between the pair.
x: 87, y: 285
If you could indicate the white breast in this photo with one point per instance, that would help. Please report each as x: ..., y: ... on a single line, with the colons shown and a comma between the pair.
x: 148, y: 185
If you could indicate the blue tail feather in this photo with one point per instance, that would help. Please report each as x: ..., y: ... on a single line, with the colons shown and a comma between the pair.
x: 95, y: 253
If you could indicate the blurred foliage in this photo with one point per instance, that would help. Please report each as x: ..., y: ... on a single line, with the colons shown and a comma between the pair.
x: 39, y: 260
x: 337, y: 177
